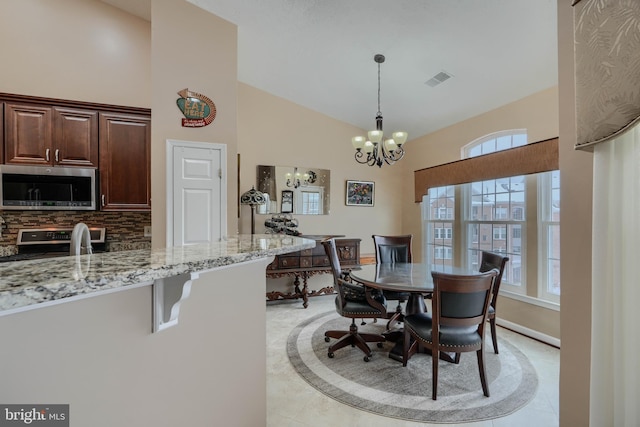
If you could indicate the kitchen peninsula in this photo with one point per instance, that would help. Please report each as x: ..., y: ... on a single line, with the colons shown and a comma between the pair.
x: 59, y: 346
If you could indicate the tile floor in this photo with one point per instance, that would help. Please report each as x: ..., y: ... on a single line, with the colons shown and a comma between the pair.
x: 291, y: 402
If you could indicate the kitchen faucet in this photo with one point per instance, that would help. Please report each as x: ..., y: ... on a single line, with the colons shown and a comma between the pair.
x: 80, y: 240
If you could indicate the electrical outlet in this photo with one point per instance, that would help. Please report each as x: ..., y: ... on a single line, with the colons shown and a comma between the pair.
x: 147, y: 231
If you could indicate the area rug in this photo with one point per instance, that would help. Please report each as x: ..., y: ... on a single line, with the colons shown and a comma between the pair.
x: 383, y: 386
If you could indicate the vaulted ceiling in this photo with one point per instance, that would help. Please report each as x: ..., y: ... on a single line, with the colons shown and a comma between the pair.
x: 319, y: 54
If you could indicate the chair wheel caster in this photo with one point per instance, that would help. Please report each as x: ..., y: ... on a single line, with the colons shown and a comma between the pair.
x: 330, y: 355
x: 327, y: 339
x: 380, y: 345
x: 366, y: 358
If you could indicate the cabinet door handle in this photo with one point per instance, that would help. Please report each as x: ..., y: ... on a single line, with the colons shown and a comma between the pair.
x: 103, y: 200
x: 57, y: 155
x: 46, y: 155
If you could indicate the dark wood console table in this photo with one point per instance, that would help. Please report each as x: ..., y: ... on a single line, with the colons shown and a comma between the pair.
x: 309, y: 262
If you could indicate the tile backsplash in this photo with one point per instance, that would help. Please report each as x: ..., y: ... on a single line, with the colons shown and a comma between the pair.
x: 125, y: 230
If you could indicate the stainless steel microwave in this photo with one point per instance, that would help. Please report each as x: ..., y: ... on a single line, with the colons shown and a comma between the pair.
x: 47, y: 188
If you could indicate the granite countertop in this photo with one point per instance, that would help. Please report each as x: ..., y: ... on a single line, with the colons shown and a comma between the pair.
x: 27, y: 283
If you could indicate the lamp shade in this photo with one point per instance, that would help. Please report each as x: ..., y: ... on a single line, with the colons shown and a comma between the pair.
x: 358, y: 142
x: 368, y: 147
x: 390, y: 145
x: 253, y: 197
x: 400, y: 138
x: 375, y: 136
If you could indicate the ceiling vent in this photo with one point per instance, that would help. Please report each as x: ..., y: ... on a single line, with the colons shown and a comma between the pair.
x: 438, y: 78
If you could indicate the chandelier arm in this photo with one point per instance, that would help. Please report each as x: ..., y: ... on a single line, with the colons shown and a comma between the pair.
x: 373, y: 158
x: 370, y: 160
x: 394, y: 158
x: 390, y: 157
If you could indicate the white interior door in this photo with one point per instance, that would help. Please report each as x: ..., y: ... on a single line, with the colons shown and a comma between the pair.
x: 196, y: 192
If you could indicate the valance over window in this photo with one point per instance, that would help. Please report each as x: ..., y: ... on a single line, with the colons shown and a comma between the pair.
x: 536, y: 157
x: 607, y: 68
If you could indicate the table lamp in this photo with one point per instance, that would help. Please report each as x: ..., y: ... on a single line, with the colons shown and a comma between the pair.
x: 253, y: 198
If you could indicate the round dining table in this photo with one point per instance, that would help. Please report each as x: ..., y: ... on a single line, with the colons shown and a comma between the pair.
x: 414, y: 278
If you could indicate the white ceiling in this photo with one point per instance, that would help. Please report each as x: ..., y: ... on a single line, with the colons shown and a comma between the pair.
x: 319, y: 54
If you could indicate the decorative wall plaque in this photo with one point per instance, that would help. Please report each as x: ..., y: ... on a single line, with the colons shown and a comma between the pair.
x: 198, y: 110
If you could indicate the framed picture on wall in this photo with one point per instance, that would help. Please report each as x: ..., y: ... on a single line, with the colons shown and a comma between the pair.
x: 286, y: 205
x: 360, y: 193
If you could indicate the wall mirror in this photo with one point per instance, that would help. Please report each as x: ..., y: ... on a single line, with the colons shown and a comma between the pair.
x: 294, y: 189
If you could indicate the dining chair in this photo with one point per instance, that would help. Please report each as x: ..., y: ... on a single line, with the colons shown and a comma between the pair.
x: 393, y: 249
x: 353, y: 300
x: 490, y: 261
x: 460, y: 306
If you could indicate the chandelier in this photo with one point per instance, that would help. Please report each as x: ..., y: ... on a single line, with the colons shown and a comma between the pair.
x: 297, y: 179
x: 378, y: 151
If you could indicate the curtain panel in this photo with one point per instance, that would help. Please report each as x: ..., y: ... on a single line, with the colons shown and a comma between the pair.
x: 615, y: 341
x: 607, y: 68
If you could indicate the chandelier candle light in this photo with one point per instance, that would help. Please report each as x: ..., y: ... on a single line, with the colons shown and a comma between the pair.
x: 377, y: 151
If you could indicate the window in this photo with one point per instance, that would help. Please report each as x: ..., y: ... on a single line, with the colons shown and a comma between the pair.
x: 443, y: 252
x: 518, y: 213
x: 549, y: 248
x: 311, y: 203
x: 500, y: 232
x: 501, y: 213
x: 495, y: 211
x: 444, y: 212
x: 443, y: 233
x: 308, y: 200
x: 437, y: 206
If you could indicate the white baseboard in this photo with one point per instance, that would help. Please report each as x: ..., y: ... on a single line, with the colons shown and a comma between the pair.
x: 529, y: 332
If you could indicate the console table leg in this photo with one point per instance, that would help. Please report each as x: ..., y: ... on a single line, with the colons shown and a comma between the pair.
x: 305, y: 291
x: 296, y: 285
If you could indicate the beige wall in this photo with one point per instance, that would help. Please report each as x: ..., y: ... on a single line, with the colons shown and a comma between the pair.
x: 82, y: 50
x: 274, y: 131
x: 576, y: 169
x: 196, y: 50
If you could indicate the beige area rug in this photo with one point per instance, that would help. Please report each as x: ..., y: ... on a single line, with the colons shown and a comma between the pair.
x: 383, y: 386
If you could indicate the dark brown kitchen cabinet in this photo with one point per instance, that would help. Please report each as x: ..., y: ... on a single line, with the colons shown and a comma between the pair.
x: 28, y: 134
x: 75, y: 137
x: 50, y: 136
x: 125, y: 162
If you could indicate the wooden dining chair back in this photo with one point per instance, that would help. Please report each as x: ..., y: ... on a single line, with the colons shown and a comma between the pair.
x: 490, y: 261
x: 456, y: 325
x: 390, y: 249
x: 353, y: 300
